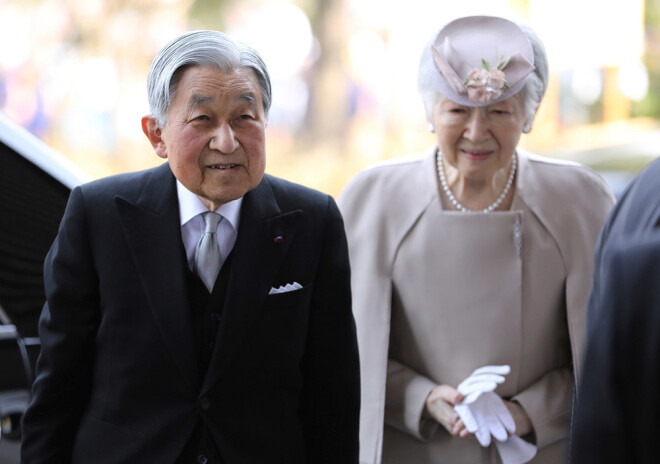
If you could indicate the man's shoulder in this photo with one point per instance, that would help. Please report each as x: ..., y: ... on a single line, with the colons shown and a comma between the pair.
x: 634, y: 269
x: 644, y: 190
x: 643, y: 251
x: 638, y: 209
x: 291, y: 193
x: 125, y: 181
x: 130, y: 183
x: 279, y: 197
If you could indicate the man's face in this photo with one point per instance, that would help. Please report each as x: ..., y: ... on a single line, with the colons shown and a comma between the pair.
x: 214, y: 139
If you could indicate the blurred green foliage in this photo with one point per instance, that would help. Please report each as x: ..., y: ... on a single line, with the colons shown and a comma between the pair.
x: 649, y: 106
x: 209, y: 14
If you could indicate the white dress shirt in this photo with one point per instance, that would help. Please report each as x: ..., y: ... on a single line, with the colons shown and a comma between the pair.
x: 192, y: 223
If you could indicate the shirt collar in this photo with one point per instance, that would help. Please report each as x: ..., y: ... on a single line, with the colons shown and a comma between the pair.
x: 190, y: 206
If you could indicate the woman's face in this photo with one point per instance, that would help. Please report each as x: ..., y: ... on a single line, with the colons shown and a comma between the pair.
x: 478, y: 141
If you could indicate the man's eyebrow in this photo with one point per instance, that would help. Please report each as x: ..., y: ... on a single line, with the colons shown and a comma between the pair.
x: 196, y: 100
x: 248, y: 97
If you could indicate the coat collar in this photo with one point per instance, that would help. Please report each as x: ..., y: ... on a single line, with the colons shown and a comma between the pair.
x: 151, y: 226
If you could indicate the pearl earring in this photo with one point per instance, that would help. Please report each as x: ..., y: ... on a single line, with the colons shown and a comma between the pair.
x: 431, y: 128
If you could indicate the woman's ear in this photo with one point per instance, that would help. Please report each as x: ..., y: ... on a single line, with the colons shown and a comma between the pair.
x: 153, y: 131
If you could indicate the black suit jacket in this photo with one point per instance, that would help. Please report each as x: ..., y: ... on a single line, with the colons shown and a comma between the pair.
x: 617, y: 414
x: 117, y: 376
x: 635, y: 215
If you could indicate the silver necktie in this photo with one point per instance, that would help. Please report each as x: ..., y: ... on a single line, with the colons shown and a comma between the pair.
x: 208, y: 259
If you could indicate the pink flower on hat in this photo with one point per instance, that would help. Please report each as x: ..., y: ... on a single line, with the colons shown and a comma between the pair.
x: 486, y: 84
x: 497, y: 80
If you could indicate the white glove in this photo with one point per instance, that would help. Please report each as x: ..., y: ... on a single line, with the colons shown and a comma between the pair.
x: 484, y: 379
x: 486, y: 415
x: 482, y: 411
x: 512, y: 449
x: 515, y: 450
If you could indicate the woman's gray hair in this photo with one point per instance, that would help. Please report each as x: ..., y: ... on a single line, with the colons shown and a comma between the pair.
x: 532, y: 92
x: 200, y: 48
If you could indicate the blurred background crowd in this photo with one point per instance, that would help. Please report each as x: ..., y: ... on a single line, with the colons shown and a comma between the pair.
x: 73, y: 72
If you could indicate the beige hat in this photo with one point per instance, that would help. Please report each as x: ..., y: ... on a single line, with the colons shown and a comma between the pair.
x: 482, y: 60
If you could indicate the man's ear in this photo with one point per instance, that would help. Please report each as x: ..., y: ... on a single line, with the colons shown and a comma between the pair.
x: 153, y: 131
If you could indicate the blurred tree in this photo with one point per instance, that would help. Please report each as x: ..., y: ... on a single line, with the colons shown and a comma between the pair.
x: 329, y: 85
x: 650, y: 105
x: 209, y: 14
x: 329, y: 82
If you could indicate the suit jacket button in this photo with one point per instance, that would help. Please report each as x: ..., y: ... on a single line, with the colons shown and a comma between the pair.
x: 215, y: 317
x: 205, y: 403
x: 201, y: 459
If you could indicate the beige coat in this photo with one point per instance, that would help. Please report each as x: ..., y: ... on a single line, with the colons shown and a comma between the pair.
x: 447, y: 292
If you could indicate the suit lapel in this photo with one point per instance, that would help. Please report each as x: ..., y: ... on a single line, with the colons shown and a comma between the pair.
x: 264, y: 236
x: 152, y: 228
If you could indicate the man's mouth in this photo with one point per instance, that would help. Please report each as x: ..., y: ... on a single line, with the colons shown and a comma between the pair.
x: 223, y: 167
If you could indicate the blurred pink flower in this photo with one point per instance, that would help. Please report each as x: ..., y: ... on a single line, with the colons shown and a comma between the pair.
x: 486, y: 84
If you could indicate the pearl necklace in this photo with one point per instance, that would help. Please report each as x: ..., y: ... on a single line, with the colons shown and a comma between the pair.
x: 454, y: 201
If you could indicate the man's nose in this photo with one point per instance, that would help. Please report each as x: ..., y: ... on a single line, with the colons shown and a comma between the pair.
x: 224, y: 139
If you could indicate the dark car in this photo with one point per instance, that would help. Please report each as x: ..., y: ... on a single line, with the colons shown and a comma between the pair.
x: 35, y: 182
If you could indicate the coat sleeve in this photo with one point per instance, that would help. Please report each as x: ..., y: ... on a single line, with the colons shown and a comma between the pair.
x: 67, y: 328
x: 547, y: 402
x: 406, y: 401
x: 372, y: 289
x: 373, y: 237
x: 331, y: 395
x: 616, y: 417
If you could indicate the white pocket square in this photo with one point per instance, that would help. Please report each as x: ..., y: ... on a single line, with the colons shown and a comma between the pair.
x: 285, y: 288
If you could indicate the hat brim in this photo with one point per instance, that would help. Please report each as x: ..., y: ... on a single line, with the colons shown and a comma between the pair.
x: 465, y: 43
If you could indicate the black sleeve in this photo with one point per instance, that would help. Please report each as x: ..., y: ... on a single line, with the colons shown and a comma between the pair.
x: 67, y: 329
x: 618, y: 407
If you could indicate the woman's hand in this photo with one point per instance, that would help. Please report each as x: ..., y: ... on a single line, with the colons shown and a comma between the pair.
x: 523, y: 423
x: 440, y: 406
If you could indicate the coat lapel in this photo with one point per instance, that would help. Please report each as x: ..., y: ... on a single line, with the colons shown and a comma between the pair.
x: 152, y: 228
x: 264, y: 236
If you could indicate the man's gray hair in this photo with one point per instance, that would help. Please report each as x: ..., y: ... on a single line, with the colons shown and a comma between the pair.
x: 200, y: 48
x: 532, y: 92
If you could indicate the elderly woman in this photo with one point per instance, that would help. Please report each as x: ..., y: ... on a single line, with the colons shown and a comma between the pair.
x: 473, y: 254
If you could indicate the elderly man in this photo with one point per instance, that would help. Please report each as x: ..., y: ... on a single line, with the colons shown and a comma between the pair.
x: 198, y: 312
